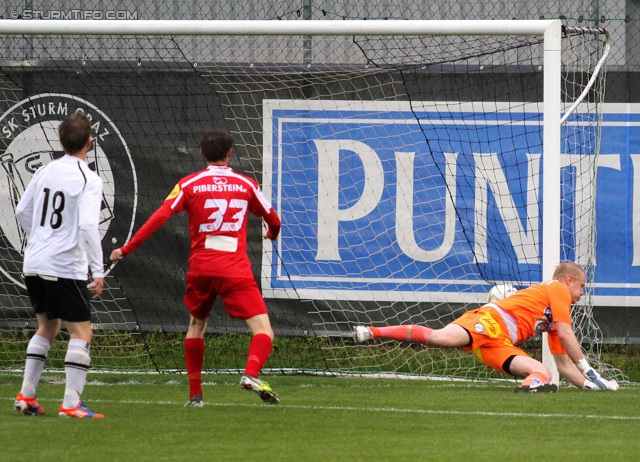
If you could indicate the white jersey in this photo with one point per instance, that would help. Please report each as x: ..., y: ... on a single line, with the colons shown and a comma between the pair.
x: 60, y: 212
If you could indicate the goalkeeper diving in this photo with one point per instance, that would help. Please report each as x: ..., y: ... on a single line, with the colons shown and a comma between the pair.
x: 492, y: 332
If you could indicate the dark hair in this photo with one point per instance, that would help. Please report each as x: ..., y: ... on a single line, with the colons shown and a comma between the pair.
x: 215, y: 145
x: 568, y: 268
x: 74, y: 132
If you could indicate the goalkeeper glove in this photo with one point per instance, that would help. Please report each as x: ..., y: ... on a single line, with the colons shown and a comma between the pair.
x: 593, y: 379
x: 609, y: 385
x: 589, y: 385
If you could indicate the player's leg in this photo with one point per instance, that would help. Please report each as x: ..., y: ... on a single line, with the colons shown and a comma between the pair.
x: 242, y: 299
x: 261, y: 344
x: 76, y: 367
x: 73, y: 305
x: 537, y: 376
x: 509, y: 359
x: 38, y: 347
x: 259, y: 351
x: 37, y: 352
x: 450, y: 336
x: 199, y: 296
x: 402, y: 333
x: 194, y: 358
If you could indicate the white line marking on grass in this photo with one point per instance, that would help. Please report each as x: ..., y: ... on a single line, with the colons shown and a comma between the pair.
x: 382, y: 409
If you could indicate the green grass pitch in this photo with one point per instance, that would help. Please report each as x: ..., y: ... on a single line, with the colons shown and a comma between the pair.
x: 321, y: 419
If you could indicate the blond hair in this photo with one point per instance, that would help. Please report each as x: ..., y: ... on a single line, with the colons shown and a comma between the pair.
x: 568, y: 268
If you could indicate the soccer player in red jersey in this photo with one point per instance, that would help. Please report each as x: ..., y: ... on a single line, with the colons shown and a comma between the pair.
x: 217, y: 201
x: 492, y: 331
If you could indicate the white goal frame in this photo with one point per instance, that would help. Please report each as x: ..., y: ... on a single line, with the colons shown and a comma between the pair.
x: 549, y: 30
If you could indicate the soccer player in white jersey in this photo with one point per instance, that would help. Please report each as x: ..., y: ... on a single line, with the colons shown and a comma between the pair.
x: 60, y: 213
x: 217, y: 200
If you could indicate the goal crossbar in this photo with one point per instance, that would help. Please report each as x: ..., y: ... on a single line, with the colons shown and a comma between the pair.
x: 549, y: 28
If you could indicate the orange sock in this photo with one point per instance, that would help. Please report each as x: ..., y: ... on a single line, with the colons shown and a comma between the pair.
x: 531, y: 378
x: 411, y: 333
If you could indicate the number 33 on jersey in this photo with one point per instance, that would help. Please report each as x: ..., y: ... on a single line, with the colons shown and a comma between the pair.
x: 216, y: 200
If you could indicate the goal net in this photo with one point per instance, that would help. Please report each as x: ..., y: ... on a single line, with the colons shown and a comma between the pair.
x: 406, y: 159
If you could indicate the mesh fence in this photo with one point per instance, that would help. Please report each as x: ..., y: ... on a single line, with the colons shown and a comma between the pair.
x: 621, y: 19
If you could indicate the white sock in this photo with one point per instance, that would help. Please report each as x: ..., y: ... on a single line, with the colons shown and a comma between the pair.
x: 76, y: 366
x: 37, y: 352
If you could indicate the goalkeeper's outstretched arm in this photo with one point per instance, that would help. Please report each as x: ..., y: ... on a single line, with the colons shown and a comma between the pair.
x: 590, y: 379
x: 573, y: 365
x: 569, y: 371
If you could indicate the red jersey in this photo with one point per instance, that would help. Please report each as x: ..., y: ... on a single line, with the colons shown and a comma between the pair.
x: 538, y: 306
x: 216, y: 200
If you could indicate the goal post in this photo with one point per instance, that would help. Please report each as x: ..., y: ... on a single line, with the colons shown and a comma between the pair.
x: 474, y: 106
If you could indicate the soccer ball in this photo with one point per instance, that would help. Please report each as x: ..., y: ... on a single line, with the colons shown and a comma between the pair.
x: 500, y: 291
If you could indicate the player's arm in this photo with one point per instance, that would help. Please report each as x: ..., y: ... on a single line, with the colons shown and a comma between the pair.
x: 569, y: 371
x: 261, y: 207
x: 153, y: 224
x: 574, y: 366
x: 569, y: 341
x: 24, y: 209
x: 96, y: 287
x: 273, y: 225
x: 560, y: 303
x: 566, y: 362
x: 89, y: 220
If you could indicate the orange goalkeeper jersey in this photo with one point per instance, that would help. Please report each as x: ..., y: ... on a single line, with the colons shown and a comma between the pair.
x: 536, y: 308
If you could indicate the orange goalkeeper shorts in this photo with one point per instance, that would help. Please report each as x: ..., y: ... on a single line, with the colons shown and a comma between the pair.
x: 490, y: 341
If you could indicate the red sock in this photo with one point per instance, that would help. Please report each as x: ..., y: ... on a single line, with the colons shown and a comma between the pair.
x: 193, y: 357
x: 259, y: 351
x: 413, y: 333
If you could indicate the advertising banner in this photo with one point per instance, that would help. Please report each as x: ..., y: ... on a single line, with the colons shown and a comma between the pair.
x: 372, y: 211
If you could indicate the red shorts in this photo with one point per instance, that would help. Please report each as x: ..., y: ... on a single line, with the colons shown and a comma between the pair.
x: 241, y: 296
x: 490, y: 341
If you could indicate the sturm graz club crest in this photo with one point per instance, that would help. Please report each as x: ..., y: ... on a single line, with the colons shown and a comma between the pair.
x: 29, y: 140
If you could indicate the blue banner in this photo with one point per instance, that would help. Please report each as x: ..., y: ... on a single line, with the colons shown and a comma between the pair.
x: 380, y: 201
